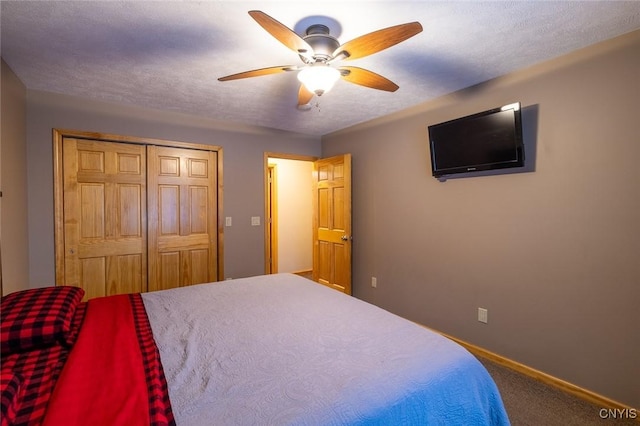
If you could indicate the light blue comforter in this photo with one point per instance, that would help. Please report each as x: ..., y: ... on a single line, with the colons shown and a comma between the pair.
x: 282, y: 350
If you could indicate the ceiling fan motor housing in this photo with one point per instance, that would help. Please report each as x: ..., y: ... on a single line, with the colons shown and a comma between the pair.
x: 321, y: 41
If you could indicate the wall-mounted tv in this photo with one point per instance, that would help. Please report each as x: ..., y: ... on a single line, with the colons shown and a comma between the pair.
x: 487, y: 140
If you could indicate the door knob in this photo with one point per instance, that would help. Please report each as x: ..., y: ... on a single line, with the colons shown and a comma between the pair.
x: 345, y: 238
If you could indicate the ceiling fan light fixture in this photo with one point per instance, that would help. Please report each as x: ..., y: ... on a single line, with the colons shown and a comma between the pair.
x: 319, y: 78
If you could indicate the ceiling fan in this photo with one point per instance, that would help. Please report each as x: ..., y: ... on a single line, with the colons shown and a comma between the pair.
x: 318, y: 50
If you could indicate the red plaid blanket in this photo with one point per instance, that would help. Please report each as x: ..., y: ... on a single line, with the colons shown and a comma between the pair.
x: 113, y: 375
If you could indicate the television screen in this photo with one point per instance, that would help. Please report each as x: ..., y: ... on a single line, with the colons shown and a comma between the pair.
x: 487, y: 140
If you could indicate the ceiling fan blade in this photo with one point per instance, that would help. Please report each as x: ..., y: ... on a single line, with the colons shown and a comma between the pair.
x: 367, y: 78
x: 259, y: 72
x: 283, y: 34
x: 376, y: 41
x: 304, y: 95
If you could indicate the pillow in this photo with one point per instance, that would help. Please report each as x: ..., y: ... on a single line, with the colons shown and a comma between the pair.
x: 38, y: 317
x: 11, y: 394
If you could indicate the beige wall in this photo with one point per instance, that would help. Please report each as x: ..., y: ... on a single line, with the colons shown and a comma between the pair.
x: 552, y: 253
x: 13, y: 180
x: 243, y: 167
x: 295, y: 214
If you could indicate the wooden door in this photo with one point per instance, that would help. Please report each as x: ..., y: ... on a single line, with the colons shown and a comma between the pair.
x: 104, y: 217
x: 182, y: 217
x: 332, y: 222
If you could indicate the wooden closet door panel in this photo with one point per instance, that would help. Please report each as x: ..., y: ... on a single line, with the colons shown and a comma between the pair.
x: 182, y: 203
x: 104, y: 216
x: 168, y: 271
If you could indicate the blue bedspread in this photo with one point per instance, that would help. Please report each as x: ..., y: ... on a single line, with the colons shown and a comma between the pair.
x: 282, y: 350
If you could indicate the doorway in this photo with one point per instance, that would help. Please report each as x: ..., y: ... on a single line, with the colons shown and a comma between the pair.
x: 288, y: 213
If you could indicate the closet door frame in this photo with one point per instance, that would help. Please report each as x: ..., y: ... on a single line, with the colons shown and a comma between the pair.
x: 59, y: 136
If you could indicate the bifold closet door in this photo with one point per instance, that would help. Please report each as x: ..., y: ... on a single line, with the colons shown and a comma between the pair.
x: 105, y: 242
x: 182, y: 217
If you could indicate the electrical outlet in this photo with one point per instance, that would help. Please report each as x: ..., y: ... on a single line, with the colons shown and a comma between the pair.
x: 483, y: 315
x: 374, y: 282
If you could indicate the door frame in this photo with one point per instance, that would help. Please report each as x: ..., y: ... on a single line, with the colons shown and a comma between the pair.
x: 58, y: 188
x: 268, y: 203
x: 271, y: 220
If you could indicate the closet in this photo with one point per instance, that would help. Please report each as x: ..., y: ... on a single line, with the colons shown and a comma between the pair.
x: 135, y: 215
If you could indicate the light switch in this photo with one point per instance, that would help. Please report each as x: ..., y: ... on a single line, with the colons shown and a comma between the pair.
x: 227, y: 221
x: 255, y: 220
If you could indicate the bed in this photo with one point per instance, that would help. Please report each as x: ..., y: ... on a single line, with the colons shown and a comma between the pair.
x: 269, y: 350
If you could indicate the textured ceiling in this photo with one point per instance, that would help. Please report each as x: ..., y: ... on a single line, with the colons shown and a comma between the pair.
x: 168, y: 55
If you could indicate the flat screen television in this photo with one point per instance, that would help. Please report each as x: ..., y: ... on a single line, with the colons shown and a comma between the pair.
x: 487, y: 140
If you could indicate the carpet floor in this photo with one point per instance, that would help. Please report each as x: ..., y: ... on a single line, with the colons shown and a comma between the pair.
x: 530, y: 402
